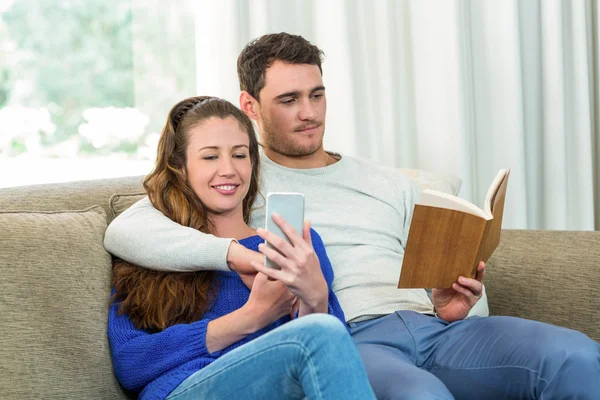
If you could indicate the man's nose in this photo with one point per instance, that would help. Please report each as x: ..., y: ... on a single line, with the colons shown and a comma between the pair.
x: 307, y: 111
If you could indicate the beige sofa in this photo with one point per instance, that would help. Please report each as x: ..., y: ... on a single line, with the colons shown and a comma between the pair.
x: 55, y: 280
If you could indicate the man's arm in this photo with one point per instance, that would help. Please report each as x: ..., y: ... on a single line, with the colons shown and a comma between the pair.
x: 144, y: 236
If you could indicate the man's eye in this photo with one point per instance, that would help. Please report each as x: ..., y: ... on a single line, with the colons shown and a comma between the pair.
x: 288, y: 101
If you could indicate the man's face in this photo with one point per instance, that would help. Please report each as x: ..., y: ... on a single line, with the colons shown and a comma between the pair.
x: 291, y: 109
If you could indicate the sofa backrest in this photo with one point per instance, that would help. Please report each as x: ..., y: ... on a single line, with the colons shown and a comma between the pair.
x: 549, y: 276
x: 68, y: 196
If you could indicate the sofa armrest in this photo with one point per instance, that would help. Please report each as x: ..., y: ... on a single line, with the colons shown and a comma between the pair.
x: 549, y: 276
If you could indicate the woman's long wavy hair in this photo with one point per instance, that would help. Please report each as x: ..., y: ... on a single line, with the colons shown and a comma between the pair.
x: 155, y: 300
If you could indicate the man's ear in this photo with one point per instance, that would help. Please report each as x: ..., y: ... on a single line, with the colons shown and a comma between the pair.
x: 249, y: 105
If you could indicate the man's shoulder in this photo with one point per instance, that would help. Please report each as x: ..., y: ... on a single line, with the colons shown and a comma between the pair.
x: 371, y: 167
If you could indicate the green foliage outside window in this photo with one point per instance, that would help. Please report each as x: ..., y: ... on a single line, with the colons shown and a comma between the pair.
x: 87, y: 75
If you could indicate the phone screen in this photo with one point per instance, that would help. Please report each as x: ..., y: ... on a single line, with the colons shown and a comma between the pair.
x: 291, y: 207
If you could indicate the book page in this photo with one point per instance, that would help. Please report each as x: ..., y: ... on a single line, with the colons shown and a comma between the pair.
x: 435, y: 198
x: 489, y: 198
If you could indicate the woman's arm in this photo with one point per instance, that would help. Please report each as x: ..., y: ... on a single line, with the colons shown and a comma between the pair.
x: 268, y: 301
x: 144, y: 236
x: 140, y: 357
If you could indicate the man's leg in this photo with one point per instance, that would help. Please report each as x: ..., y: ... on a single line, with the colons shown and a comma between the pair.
x: 388, y: 352
x: 312, y: 356
x: 505, y: 357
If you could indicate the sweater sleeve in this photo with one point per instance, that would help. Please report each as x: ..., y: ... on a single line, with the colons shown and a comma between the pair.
x: 144, y: 236
x: 412, y: 194
x: 335, y: 308
x: 140, y: 357
x: 407, y: 195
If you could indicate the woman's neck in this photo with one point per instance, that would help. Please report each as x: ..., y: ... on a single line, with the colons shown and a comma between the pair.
x: 230, y: 226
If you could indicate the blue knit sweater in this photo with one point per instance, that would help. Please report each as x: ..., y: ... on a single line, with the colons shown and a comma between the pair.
x: 155, y: 364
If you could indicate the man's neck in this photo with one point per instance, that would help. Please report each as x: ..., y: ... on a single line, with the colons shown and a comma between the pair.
x: 318, y: 159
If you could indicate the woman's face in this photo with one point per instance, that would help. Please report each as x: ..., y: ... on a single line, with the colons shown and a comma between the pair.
x: 218, y: 164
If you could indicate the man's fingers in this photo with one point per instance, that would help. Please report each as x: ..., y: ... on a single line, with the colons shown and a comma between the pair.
x: 472, y: 285
x: 464, y: 291
x: 480, y: 272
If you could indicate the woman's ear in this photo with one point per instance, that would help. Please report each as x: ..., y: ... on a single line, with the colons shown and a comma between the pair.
x: 248, y: 105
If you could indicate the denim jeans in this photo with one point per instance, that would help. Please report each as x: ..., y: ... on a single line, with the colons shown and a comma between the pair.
x: 408, y: 355
x: 313, y: 357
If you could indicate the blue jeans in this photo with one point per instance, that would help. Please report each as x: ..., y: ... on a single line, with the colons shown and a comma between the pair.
x: 312, y: 356
x: 408, y: 355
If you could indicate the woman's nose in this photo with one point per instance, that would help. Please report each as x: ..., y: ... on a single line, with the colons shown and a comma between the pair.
x: 226, y: 167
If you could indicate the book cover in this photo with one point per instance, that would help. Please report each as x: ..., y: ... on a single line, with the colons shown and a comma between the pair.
x: 449, y: 236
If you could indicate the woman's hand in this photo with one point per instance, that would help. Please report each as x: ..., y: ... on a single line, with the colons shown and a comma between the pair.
x: 268, y: 301
x: 300, y: 267
x: 453, y: 304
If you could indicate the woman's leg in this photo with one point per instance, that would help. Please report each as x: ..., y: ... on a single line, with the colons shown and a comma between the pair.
x: 313, y: 356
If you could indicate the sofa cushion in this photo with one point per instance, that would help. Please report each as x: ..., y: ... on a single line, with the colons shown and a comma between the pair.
x: 446, y: 183
x: 121, y: 202
x: 55, y: 280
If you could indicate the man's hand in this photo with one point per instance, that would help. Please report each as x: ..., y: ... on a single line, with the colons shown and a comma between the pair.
x: 239, y: 259
x: 300, y: 266
x: 453, y: 304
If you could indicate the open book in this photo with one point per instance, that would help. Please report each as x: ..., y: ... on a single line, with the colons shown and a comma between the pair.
x: 449, y: 236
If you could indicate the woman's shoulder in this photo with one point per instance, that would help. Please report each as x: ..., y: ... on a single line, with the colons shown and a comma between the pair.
x: 251, y: 242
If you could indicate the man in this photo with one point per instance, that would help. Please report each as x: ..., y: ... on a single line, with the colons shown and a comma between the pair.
x: 411, y: 348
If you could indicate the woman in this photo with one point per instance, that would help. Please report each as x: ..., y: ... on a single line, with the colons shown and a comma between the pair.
x: 205, y: 334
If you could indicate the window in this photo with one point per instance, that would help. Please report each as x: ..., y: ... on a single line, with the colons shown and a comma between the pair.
x: 85, y: 86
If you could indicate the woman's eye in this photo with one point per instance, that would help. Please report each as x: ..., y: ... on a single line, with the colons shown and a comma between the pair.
x: 209, y: 158
x: 241, y: 155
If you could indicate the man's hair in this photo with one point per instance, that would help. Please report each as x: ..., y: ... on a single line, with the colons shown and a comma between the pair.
x: 261, y: 53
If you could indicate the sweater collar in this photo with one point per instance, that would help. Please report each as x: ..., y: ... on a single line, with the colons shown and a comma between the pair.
x: 267, y: 162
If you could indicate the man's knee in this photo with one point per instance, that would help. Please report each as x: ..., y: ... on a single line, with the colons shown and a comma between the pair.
x: 422, y: 390
x: 394, y: 376
x: 577, y: 353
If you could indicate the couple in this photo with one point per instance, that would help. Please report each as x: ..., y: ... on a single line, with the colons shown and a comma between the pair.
x: 411, y: 347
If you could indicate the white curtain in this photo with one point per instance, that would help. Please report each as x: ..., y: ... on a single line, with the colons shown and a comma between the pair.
x: 455, y: 86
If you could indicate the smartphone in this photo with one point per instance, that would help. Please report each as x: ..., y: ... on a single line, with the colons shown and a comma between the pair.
x: 291, y: 207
